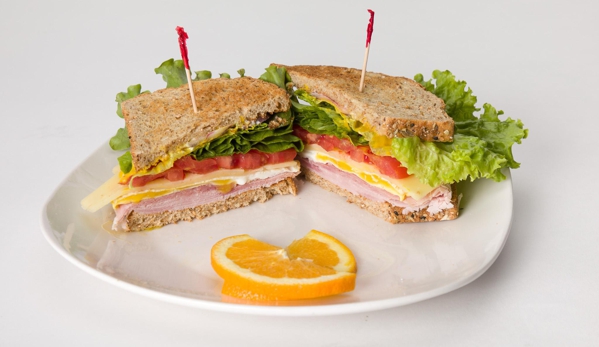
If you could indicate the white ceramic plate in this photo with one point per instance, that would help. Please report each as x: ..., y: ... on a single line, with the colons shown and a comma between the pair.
x: 397, y: 264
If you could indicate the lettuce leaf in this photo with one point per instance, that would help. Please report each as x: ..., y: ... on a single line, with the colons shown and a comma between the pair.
x: 203, y: 75
x: 260, y: 137
x: 132, y: 91
x: 278, y: 76
x: 320, y: 117
x: 173, y: 73
x: 459, y: 101
x: 120, y: 141
x: 125, y: 162
x: 436, y: 163
x: 482, y: 145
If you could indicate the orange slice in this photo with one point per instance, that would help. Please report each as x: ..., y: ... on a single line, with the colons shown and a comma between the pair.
x: 314, y: 266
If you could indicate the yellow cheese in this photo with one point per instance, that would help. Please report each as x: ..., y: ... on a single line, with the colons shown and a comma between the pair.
x: 402, y: 188
x: 225, y: 180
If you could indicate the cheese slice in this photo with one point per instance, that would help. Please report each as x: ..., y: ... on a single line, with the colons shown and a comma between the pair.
x: 402, y: 188
x: 225, y: 179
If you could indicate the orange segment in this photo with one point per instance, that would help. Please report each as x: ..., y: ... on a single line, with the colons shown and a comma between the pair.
x: 314, y: 266
x: 324, y: 250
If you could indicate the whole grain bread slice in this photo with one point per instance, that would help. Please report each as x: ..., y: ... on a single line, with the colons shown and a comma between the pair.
x: 385, y: 210
x: 163, y: 122
x: 138, y: 221
x: 391, y: 106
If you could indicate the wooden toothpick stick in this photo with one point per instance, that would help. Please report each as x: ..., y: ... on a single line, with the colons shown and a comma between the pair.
x: 183, y: 46
x: 369, y: 30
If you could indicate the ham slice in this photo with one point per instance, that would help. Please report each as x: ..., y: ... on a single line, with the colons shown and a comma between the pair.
x: 437, y: 200
x: 188, y: 198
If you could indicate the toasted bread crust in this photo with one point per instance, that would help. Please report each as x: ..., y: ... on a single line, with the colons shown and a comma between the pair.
x: 392, y: 106
x: 164, y: 121
x: 139, y: 222
x: 385, y: 210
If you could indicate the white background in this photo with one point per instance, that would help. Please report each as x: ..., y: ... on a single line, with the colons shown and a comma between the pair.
x: 62, y: 63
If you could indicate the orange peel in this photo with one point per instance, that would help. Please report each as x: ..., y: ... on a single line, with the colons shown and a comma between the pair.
x: 314, y: 266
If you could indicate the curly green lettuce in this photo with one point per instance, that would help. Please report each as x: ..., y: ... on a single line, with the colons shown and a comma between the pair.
x: 261, y: 137
x: 173, y: 73
x: 203, y: 75
x: 120, y: 141
x: 279, y: 76
x: 125, y: 162
x: 481, y: 148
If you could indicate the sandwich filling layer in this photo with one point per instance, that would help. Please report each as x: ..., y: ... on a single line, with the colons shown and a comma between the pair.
x: 224, y: 180
x: 378, y: 188
x: 361, y: 172
x: 402, y: 188
x: 198, y: 196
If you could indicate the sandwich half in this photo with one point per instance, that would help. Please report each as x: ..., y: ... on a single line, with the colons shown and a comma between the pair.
x: 348, y: 138
x: 238, y: 149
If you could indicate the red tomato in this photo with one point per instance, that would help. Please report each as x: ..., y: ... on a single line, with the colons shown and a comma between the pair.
x: 345, y: 145
x: 327, y: 142
x: 360, y: 154
x: 251, y: 160
x: 312, y: 138
x: 304, y: 135
x: 225, y: 162
x: 300, y: 132
x: 282, y: 156
x: 389, y: 166
x: 143, y: 180
x: 185, y: 163
x: 203, y: 166
x: 174, y: 174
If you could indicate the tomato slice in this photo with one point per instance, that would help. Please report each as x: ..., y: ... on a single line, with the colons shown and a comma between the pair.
x: 360, y: 154
x: 305, y: 135
x: 225, y: 162
x: 282, y: 156
x: 389, y: 166
x: 326, y: 142
x: 251, y: 160
x: 174, y: 174
x: 345, y: 145
x: 143, y: 180
x: 188, y: 163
